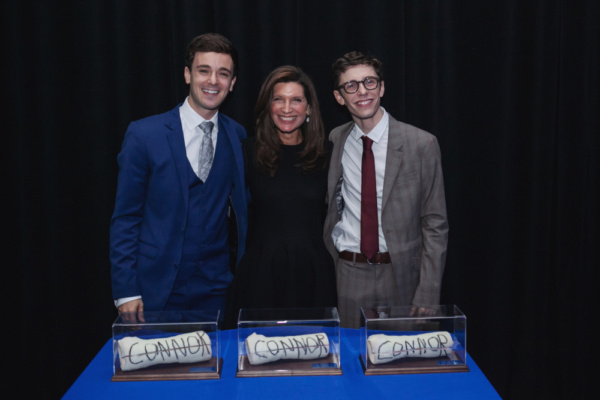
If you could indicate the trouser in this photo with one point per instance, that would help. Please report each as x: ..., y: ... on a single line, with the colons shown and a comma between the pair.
x: 194, y: 290
x: 363, y: 285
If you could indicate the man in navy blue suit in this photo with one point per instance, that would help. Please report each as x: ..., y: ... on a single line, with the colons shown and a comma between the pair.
x: 180, y: 216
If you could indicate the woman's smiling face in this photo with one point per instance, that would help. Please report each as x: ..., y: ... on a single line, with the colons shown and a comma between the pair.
x: 289, y: 107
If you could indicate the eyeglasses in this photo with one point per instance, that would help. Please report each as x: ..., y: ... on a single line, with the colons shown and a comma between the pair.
x: 370, y: 83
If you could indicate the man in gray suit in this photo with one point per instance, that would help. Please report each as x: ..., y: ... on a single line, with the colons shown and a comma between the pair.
x: 386, y: 226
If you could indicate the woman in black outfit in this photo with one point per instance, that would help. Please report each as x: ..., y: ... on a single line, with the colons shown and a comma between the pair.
x: 286, y: 264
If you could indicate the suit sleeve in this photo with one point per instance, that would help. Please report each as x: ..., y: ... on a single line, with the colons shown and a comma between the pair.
x: 434, y: 226
x: 128, y: 213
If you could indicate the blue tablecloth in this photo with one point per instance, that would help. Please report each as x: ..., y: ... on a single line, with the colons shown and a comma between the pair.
x: 95, y: 381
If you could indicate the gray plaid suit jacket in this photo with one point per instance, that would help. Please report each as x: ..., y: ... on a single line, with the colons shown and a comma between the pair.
x: 414, y: 209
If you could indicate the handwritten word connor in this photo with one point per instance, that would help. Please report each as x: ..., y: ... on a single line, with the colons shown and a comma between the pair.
x: 262, y: 349
x: 136, y: 353
x: 384, y: 348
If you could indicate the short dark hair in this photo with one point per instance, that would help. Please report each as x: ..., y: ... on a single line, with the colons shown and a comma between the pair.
x: 211, y: 42
x: 352, y: 59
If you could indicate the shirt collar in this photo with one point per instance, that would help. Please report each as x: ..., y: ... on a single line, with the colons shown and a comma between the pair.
x: 193, y: 119
x: 377, y: 133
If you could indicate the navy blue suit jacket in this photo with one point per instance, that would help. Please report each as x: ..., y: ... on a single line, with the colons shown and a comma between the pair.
x: 151, y: 207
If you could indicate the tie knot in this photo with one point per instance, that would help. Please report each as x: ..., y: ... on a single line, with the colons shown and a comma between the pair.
x: 367, y: 142
x: 207, y: 127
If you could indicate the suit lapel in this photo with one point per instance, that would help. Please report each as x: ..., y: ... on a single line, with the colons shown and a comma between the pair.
x: 335, y: 165
x: 393, y: 159
x: 232, y: 137
x: 177, y: 145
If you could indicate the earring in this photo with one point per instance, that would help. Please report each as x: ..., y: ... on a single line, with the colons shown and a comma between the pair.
x: 307, y: 118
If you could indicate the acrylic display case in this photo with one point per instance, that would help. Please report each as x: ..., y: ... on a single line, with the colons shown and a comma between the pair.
x: 394, y: 340
x: 288, y: 342
x: 168, y: 345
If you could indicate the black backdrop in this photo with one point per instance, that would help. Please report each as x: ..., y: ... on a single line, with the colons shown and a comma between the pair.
x: 511, y: 89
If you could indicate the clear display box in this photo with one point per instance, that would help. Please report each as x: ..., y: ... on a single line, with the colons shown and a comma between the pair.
x: 167, y: 345
x: 288, y: 342
x: 398, y: 340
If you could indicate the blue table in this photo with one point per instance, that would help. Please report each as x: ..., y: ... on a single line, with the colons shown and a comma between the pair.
x: 95, y: 383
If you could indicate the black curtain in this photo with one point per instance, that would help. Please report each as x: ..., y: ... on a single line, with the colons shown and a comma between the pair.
x: 511, y: 89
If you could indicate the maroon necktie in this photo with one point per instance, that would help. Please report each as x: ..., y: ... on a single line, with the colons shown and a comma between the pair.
x: 369, y: 234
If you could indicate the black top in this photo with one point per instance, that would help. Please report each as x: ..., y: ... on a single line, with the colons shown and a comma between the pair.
x: 286, y: 263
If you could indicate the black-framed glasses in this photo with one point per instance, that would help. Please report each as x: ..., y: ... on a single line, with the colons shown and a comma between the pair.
x: 370, y: 83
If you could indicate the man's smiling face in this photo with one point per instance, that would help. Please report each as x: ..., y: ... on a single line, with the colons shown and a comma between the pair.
x: 211, y: 79
x: 364, y: 104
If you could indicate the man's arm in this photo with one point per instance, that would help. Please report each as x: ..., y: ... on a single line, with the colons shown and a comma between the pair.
x: 434, y: 226
x: 131, y: 306
x: 127, y: 217
x: 132, y: 311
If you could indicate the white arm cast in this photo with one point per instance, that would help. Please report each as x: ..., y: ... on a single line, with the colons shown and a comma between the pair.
x: 136, y: 353
x: 383, y: 348
x: 262, y: 349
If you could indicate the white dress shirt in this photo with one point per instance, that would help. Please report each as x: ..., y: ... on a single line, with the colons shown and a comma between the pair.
x: 192, y: 134
x: 346, y: 233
